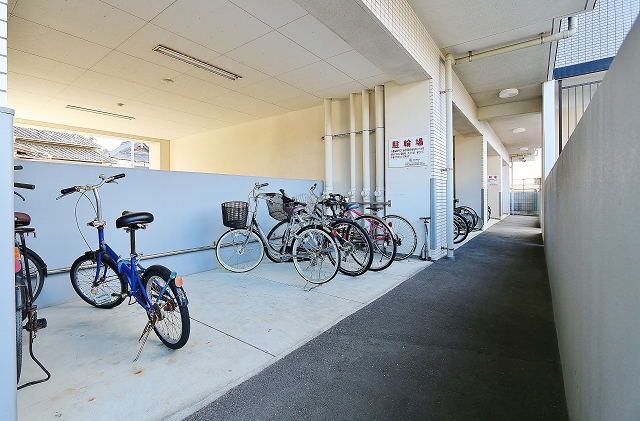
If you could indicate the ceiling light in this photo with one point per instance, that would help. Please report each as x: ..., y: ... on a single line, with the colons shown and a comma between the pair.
x: 518, y: 130
x: 195, y: 62
x: 508, y: 93
x: 523, y: 149
x: 89, y: 110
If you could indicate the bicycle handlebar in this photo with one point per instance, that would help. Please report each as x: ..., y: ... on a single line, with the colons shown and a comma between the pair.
x: 104, y: 178
x: 24, y: 186
x: 17, y: 167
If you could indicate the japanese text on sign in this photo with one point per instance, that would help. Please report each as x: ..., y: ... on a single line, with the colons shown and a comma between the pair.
x: 408, y: 152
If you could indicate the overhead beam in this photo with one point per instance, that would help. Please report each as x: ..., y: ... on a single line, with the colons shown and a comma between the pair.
x: 528, y: 106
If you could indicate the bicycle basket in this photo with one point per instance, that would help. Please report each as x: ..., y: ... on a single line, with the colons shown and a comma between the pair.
x: 234, y: 214
x: 276, y: 209
x: 308, y: 200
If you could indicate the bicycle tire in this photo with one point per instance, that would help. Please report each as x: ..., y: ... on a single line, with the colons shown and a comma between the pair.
x: 111, y: 289
x: 356, y: 246
x: 276, y: 240
x: 239, y: 250
x: 37, y: 271
x: 174, y: 328
x: 18, y: 342
x: 384, y: 242
x: 462, y: 226
x: 406, y: 237
x: 312, y: 248
x: 467, y: 210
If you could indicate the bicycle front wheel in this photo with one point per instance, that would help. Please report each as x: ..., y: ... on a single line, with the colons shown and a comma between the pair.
x: 172, y: 319
x: 406, y: 237
x: 315, y: 256
x: 101, y: 287
x: 384, y: 243
x: 239, y: 250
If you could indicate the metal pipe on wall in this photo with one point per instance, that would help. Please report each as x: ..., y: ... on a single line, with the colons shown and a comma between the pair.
x: 352, y: 136
x: 379, y: 113
x: 328, y: 148
x: 366, y: 167
x: 448, y: 63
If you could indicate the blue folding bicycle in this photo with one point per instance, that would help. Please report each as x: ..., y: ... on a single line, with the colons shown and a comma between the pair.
x: 104, y: 280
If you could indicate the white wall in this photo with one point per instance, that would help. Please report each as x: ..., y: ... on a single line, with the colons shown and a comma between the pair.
x: 506, y: 193
x: 469, y: 171
x: 592, y: 242
x: 407, y: 114
x: 186, y: 207
x: 288, y: 145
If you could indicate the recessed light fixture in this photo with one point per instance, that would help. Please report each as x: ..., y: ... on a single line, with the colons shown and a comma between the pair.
x: 508, y: 93
x: 107, y: 113
x: 523, y: 149
x: 518, y: 130
x: 195, y: 62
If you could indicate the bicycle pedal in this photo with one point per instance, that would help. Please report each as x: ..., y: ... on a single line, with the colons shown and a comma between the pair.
x: 40, y: 324
x: 125, y: 295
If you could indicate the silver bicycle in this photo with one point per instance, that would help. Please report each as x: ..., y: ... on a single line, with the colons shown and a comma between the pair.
x: 311, y: 247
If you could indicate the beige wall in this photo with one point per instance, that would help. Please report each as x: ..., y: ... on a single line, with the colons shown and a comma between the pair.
x: 287, y: 145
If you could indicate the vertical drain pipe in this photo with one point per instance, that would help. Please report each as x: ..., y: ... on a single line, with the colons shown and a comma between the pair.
x: 448, y: 83
x: 366, y: 167
x: 352, y: 136
x: 379, y: 110
x: 328, y: 148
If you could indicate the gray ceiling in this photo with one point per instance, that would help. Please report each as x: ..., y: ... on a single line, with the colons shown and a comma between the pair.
x: 98, y: 54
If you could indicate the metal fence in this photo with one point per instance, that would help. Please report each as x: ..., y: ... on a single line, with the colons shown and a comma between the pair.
x: 573, y: 100
x: 525, y: 203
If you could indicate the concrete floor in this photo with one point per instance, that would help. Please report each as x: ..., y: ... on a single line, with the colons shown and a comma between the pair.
x: 241, y: 323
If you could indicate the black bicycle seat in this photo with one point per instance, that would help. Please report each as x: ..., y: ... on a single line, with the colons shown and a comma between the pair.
x: 132, y: 220
x: 21, y: 219
x: 375, y: 207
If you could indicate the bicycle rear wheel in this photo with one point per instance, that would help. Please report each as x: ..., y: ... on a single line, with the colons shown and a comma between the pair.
x: 19, y: 342
x: 276, y: 240
x: 100, y: 287
x: 355, y: 246
x: 461, y: 227
x: 37, y: 271
x: 316, y: 255
x: 172, y: 325
x: 239, y: 250
x: 384, y: 243
x: 406, y: 237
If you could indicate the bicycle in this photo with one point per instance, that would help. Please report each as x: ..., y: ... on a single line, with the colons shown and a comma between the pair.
x: 355, y: 244
x: 103, y: 279
x: 470, y: 215
x: 381, y: 235
x: 25, y: 307
x: 312, y: 248
x: 38, y: 269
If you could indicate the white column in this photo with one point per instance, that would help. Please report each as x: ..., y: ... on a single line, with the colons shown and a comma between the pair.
x: 366, y: 166
x: 8, y: 397
x: 379, y: 110
x: 352, y: 137
x: 328, y: 148
x: 449, y: 189
x: 548, y: 127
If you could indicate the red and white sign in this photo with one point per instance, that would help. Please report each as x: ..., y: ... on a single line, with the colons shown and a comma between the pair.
x: 408, y: 152
x: 492, y: 180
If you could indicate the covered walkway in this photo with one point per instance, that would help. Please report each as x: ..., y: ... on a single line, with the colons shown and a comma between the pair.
x: 470, y: 339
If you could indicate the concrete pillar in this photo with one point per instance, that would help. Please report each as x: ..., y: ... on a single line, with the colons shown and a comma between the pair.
x: 549, y: 152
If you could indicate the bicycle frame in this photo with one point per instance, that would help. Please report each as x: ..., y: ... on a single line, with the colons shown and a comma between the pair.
x: 130, y: 269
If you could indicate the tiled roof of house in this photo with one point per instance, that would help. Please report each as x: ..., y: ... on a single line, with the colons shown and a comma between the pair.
x: 44, y: 144
x: 141, y: 152
x: 46, y: 136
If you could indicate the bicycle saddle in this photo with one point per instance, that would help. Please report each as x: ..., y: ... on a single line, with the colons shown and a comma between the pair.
x: 21, y: 219
x: 374, y: 207
x: 133, y: 220
x: 349, y: 206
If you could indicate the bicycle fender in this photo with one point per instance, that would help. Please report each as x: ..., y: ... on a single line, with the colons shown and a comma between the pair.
x: 180, y: 294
